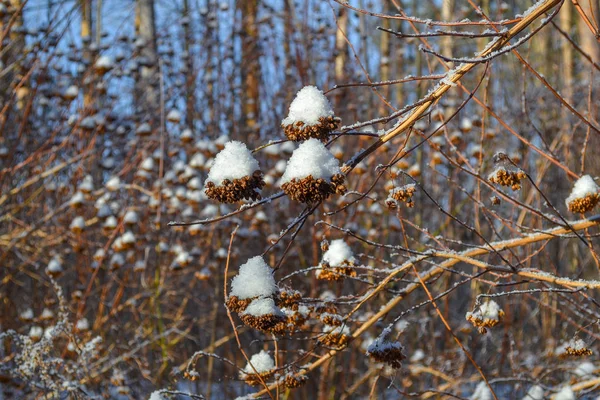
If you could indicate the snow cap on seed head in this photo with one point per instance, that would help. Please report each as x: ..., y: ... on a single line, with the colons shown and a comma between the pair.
x: 235, y: 161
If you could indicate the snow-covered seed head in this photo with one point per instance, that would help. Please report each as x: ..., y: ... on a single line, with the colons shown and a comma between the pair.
x: 337, y: 263
x: 385, y: 351
x: 312, y: 174
x: 584, y: 196
x: 174, y: 116
x: 77, y: 225
x: 54, y: 268
x: 573, y: 348
x: 255, y: 279
x: 293, y: 381
x: 144, y: 129
x: 262, y: 314
x: 310, y: 116
x: 234, y: 175
x: 335, y: 336
x: 400, y: 195
x: 77, y: 200
x: 103, y: 65
x: 488, y: 315
x: 260, y: 368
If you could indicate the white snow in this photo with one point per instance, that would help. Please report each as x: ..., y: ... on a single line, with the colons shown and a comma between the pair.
x: 156, y: 396
x: 575, y: 344
x: 382, y: 344
x: 104, y: 62
x: 131, y: 217
x: 82, y: 325
x: 147, y: 164
x: 482, y: 392
x: 566, y: 393
x: 337, y: 253
x: 113, y: 184
x: 536, y: 392
x: 582, y: 188
x: 174, y: 116
x: 27, y: 315
x: 489, y: 310
x: 255, y: 279
x: 585, y: 369
x: 308, y: 106
x: 261, y: 307
x: 78, y: 223
x: 77, y: 199
x: 235, y: 161
x: 54, y: 265
x: 311, y: 158
x: 36, y: 332
x: 262, y: 362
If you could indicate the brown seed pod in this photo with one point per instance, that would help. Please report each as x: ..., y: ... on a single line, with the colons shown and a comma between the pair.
x: 232, y: 191
x: 401, y: 194
x: 504, y: 177
x: 337, y: 337
x: 237, y: 305
x: 585, y: 204
x: 294, y: 381
x: 253, y: 379
x: 265, y: 323
x: 391, y: 354
x: 289, y: 298
x: 309, y: 190
x: 486, y: 316
x: 300, y: 131
x: 338, y: 273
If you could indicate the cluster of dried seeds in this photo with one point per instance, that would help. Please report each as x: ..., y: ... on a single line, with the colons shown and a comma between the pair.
x: 289, y: 299
x: 483, y: 323
x: 575, y: 352
x: 237, y: 305
x: 390, y: 355
x: 401, y: 195
x: 335, y: 339
x: 292, y: 323
x: 300, y: 131
x: 254, y: 379
x: 236, y: 190
x: 294, y: 381
x: 338, y: 273
x: 585, y: 204
x: 265, y: 323
x: 504, y: 177
x: 309, y: 190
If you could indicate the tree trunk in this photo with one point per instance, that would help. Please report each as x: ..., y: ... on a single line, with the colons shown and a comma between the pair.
x: 147, y: 83
x: 250, y: 67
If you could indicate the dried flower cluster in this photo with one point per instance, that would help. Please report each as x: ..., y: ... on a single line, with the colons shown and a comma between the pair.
x: 573, y: 348
x: 309, y: 190
x: 299, y: 131
x: 293, y: 381
x: 338, y: 273
x: 335, y: 336
x: 486, y: 316
x: 401, y: 195
x: 390, y: 354
x: 585, y: 204
x: 232, y: 191
x: 509, y: 178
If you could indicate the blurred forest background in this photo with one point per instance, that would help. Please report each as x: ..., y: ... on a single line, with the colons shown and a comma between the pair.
x: 111, y: 113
